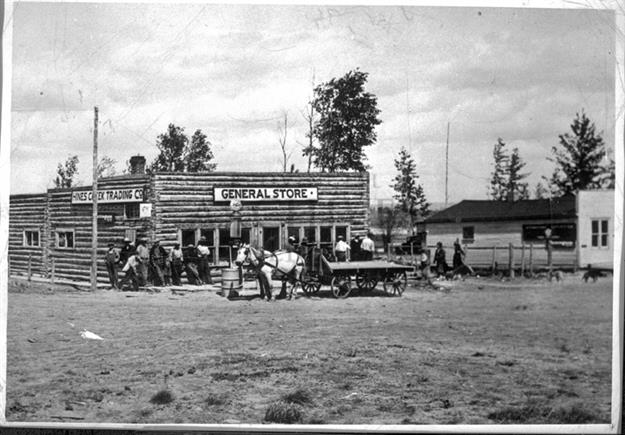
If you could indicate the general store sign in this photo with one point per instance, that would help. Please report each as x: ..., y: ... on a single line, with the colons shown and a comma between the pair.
x: 134, y: 194
x: 257, y: 194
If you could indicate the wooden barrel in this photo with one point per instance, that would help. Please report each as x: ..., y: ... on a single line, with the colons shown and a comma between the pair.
x: 230, y: 282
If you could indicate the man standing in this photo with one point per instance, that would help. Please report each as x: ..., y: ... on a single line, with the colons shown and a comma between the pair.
x: 131, y: 269
x: 191, y: 261
x: 341, y: 249
x: 177, y: 265
x: 143, y: 255
x: 111, y: 259
x: 355, y: 248
x: 204, y: 265
x: 158, y: 257
x: 439, y: 260
x: 127, y: 250
x: 367, y: 247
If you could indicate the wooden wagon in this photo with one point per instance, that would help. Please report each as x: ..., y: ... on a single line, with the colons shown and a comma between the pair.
x: 341, y: 276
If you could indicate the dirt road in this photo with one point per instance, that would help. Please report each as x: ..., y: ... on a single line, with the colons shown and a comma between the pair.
x: 484, y: 352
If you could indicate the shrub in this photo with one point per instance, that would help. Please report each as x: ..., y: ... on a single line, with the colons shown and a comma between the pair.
x: 283, y: 412
x: 163, y: 397
x: 300, y: 397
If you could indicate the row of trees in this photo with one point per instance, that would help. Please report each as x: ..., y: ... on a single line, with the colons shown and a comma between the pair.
x: 580, y: 163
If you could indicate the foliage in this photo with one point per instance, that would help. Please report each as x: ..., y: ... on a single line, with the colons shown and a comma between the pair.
x: 506, y: 183
x: 389, y: 218
x: 106, y: 167
x: 283, y: 412
x: 409, y: 194
x: 163, y: 397
x: 347, y: 119
x: 198, y: 154
x: 178, y: 154
x: 540, y: 192
x: 282, y: 134
x: 579, y: 159
x: 66, y: 173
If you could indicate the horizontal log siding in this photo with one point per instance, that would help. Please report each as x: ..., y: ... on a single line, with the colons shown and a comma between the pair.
x: 75, y: 263
x: 186, y: 201
x: 26, y: 212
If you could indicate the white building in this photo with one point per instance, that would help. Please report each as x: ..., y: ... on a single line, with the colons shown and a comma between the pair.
x: 595, y: 228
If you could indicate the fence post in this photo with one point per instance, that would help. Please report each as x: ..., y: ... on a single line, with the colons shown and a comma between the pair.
x: 230, y: 256
x: 412, y: 252
x: 53, y: 272
x: 550, y: 259
x: 511, y: 260
x: 492, y: 267
x: 531, y: 265
x: 522, y: 259
x: 29, y: 266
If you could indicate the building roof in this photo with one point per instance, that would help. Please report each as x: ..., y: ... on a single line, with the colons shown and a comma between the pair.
x: 485, y: 210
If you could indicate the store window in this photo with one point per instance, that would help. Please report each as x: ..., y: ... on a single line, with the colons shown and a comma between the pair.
x: 131, y: 210
x: 599, y: 233
x: 271, y: 238
x: 245, y: 235
x: 294, y: 232
x: 341, y: 231
x: 187, y: 237
x: 31, y: 238
x: 325, y: 238
x: 311, y: 234
x: 65, y: 239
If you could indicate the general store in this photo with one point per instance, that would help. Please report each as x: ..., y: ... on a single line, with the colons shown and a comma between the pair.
x: 51, y: 232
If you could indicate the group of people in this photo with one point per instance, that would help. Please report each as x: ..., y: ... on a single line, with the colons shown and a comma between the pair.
x: 440, y: 262
x: 359, y: 249
x: 156, y: 265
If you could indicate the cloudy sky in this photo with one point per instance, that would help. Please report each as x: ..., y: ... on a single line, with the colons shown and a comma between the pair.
x: 234, y: 70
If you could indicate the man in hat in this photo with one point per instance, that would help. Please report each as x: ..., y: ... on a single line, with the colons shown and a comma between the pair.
x: 291, y: 245
x: 177, y: 264
x: 341, y: 249
x: 158, y: 257
x: 367, y: 248
x: 191, y: 260
x: 131, y: 272
x: 111, y: 259
x: 126, y: 251
x: 203, y: 251
x: 355, y: 248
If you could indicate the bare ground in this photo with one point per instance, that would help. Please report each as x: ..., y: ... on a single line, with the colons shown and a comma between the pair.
x: 526, y: 351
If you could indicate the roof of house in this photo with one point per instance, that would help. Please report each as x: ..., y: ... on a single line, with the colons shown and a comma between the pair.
x: 485, y: 210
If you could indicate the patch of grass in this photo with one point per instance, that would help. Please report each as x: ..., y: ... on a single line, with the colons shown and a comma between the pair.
x: 537, y: 412
x: 300, y: 396
x: 283, y: 412
x: 163, y: 397
x: 575, y: 413
x: 215, y: 400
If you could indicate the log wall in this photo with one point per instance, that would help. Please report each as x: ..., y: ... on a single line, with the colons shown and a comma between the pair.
x: 26, y: 213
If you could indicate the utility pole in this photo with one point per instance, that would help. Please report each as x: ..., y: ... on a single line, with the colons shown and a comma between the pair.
x: 94, y: 216
x: 447, y: 167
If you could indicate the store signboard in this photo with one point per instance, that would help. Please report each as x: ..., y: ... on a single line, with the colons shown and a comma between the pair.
x: 265, y: 194
x: 108, y: 196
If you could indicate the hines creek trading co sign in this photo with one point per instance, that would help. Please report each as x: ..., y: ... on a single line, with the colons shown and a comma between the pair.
x: 134, y: 194
x: 257, y: 194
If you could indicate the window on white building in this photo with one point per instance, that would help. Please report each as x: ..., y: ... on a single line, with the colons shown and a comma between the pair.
x: 599, y: 233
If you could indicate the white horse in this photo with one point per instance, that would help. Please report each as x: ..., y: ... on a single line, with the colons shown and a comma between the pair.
x: 286, y: 266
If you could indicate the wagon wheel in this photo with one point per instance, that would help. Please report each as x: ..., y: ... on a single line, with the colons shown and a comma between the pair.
x: 340, y: 286
x: 395, y: 283
x: 311, y: 286
x: 365, y: 282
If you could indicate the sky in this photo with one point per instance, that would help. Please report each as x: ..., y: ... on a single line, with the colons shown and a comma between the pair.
x: 234, y: 71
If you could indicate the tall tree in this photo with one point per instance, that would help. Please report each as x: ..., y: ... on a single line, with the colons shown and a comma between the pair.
x: 578, y: 159
x: 310, y: 118
x: 171, y: 146
x: 347, y: 119
x: 106, y: 167
x: 389, y: 218
x: 66, y: 173
x: 517, y: 189
x: 498, y: 180
x: 198, y: 154
x: 283, y: 128
x: 409, y: 194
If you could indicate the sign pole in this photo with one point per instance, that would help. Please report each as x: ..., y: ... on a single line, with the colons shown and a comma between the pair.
x: 94, y: 216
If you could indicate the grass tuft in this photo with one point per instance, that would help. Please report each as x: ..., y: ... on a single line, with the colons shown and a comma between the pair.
x: 163, y: 397
x: 538, y: 412
x: 283, y: 412
x: 214, y: 400
x: 300, y: 396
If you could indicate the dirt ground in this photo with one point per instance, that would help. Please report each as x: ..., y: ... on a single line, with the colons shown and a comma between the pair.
x: 484, y: 352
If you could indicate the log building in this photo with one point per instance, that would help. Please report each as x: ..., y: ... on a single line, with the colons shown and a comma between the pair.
x: 50, y: 233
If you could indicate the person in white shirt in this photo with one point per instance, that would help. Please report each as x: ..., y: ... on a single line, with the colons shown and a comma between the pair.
x: 341, y: 249
x: 367, y: 248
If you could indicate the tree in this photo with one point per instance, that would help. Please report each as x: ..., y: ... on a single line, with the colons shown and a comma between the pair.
x: 282, y: 132
x: 540, y: 192
x: 171, y: 147
x: 106, y: 167
x: 198, y: 154
x: 310, y: 118
x: 409, y: 194
x: 516, y: 188
x: 347, y: 119
x: 66, y: 173
x: 498, y: 182
x: 579, y: 159
x: 506, y: 183
x: 389, y: 218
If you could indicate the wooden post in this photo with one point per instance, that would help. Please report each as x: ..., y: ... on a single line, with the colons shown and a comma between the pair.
x: 531, y: 261
x: 576, y: 261
x: 511, y: 260
x: 29, y: 266
x: 522, y: 259
x: 492, y: 267
x: 412, y: 252
x: 550, y: 259
x: 230, y: 256
x: 94, y: 215
x: 53, y: 272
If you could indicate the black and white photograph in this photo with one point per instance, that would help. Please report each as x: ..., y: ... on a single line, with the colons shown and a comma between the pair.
x: 312, y: 215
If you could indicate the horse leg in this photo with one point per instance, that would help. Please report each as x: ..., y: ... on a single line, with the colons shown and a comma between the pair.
x: 269, y: 288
